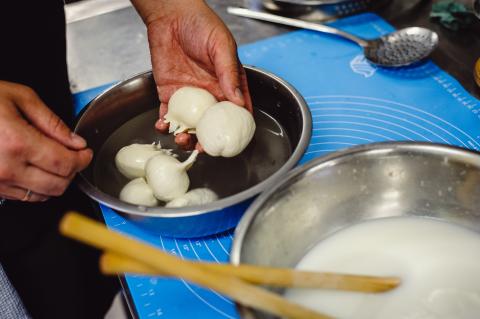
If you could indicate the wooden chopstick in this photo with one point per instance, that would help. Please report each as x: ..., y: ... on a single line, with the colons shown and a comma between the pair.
x: 93, y: 233
x: 114, y: 264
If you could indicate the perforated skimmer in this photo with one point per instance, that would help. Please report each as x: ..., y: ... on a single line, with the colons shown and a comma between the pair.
x: 396, y: 49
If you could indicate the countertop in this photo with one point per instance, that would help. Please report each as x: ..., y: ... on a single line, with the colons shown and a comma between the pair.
x: 106, y: 46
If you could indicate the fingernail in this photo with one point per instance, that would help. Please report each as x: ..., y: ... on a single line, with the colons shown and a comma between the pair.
x: 77, y: 139
x: 162, y: 126
x: 239, y: 94
x: 199, y: 148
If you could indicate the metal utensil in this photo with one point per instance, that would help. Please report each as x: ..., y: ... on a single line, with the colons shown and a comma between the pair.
x: 347, y: 187
x: 318, y: 11
x: 126, y: 113
x: 312, y: 2
x: 400, y: 48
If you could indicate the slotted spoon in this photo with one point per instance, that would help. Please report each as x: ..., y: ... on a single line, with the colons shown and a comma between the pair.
x: 399, y: 48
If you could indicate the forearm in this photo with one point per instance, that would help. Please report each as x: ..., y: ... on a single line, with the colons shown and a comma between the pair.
x: 151, y: 10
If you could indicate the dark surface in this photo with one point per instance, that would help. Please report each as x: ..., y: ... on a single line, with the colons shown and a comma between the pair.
x: 457, y: 51
x: 54, y: 276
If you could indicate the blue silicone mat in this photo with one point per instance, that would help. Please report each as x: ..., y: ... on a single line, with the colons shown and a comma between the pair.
x: 352, y: 103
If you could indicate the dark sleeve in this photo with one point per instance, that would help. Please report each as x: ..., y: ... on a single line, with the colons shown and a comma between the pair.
x: 55, y: 277
x: 33, y: 50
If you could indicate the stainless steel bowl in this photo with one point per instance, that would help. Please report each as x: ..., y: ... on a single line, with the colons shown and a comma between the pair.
x: 110, y: 115
x: 355, y: 185
x: 322, y: 10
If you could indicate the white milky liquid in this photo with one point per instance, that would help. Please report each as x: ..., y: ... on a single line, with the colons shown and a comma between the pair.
x: 439, y: 265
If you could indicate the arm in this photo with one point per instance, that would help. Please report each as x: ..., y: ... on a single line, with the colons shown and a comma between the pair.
x: 190, y: 45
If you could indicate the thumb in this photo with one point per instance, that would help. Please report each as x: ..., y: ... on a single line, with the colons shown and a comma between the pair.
x: 42, y: 118
x: 227, y: 69
x: 160, y: 124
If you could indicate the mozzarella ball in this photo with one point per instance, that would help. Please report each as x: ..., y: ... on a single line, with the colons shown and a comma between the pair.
x: 198, y: 196
x: 167, y: 176
x: 225, y: 129
x: 138, y: 192
x: 130, y: 160
x: 186, y: 107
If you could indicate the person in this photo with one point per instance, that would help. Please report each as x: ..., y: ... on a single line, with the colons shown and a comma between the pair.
x: 39, y: 155
x: 189, y: 44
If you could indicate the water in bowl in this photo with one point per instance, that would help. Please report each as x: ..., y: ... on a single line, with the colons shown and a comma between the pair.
x: 269, y: 149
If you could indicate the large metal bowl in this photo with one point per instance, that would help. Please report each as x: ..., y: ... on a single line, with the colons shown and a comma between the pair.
x: 363, y: 183
x: 118, y: 105
x: 322, y: 10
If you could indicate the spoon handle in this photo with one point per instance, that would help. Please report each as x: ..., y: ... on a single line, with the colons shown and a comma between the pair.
x: 242, y: 12
x: 115, y: 264
x: 96, y: 234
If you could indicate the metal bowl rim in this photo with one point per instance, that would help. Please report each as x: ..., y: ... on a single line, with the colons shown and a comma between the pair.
x: 190, y: 211
x: 287, y: 180
x: 312, y: 2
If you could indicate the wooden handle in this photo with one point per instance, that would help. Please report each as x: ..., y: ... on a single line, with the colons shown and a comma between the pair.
x: 93, y: 233
x: 113, y: 264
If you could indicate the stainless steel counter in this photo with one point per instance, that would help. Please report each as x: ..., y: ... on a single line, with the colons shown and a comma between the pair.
x: 106, y: 48
x: 111, y: 46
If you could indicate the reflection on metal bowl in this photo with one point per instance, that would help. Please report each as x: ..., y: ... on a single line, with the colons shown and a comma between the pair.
x: 355, y: 185
x: 126, y: 114
x: 322, y: 10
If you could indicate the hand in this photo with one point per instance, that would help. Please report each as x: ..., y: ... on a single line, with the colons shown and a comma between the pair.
x: 190, y: 45
x: 38, y: 152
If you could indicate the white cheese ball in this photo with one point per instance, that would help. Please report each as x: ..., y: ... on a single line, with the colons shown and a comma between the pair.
x: 138, y: 192
x: 198, y: 196
x: 167, y: 176
x: 225, y: 129
x: 130, y: 160
x: 185, y: 108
